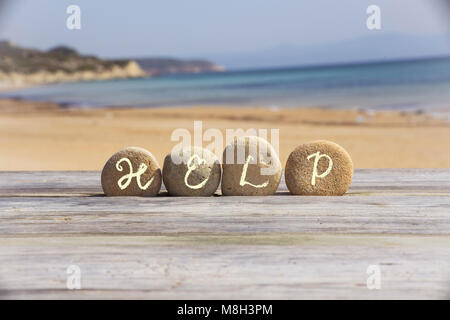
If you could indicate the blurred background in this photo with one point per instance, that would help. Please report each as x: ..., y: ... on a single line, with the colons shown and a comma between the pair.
x: 311, y: 68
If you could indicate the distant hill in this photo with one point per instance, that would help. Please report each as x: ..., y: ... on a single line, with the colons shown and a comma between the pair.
x: 159, y: 66
x: 20, y: 66
x: 374, y: 46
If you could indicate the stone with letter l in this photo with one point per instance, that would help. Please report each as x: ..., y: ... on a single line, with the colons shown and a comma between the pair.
x: 251, y: 167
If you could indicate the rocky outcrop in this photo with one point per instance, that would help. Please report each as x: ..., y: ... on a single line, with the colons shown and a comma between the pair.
x: 21, y: 67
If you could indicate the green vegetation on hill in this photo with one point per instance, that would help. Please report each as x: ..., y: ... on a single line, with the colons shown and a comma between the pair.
x: 27, y: 61
x: 22, y: 66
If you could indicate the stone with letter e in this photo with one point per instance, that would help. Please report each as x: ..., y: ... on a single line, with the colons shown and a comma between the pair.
x: 191, y: 171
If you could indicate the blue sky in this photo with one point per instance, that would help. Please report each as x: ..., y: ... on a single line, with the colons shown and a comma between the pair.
x: 213, y: 28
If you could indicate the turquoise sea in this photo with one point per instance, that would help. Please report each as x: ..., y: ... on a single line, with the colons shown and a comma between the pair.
x: 405, y: 85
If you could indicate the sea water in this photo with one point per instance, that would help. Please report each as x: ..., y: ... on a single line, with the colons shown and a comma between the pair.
x: 402, y: 85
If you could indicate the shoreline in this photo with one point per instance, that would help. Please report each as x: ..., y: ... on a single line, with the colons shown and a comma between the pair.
x: 441, y: 114
x: 438, y: 111
x: 44, y: 136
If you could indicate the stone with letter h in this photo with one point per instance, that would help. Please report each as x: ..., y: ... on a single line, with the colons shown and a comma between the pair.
x: 250, y: 167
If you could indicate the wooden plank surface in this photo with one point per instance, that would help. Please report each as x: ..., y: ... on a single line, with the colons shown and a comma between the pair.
x: 273, y: 247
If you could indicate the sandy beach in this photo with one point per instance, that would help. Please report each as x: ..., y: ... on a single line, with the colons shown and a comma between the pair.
x: 44, y: 136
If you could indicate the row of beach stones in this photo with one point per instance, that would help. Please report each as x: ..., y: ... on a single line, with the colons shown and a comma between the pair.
x: 317, y: 168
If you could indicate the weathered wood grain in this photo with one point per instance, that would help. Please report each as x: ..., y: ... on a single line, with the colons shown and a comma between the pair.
x: 226, y: 266
x: 381, y: 201
x: 87, y: 183
x: 281, y: 246
x: 353, y: 214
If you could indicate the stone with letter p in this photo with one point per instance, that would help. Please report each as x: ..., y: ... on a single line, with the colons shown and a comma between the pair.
x: 320, y: 168
x: 131, y: 172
